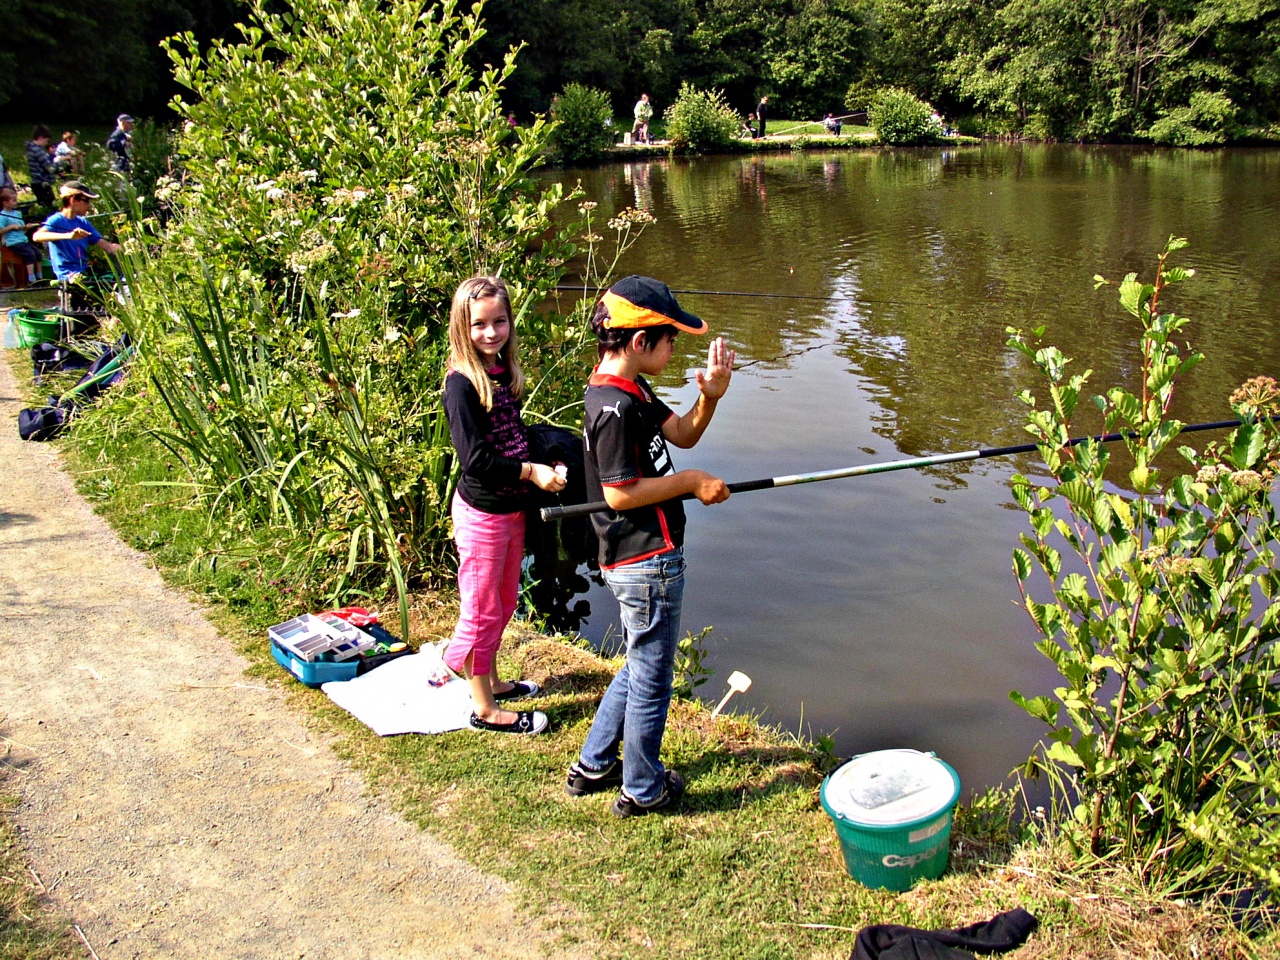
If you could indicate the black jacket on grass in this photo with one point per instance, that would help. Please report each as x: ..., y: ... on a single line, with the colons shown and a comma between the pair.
x: 889, y: 941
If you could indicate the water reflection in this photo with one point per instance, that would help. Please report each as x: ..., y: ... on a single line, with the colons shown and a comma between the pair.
x: 883, y: 608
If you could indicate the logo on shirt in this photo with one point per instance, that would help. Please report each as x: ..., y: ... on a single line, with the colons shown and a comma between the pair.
x: 659, y: 455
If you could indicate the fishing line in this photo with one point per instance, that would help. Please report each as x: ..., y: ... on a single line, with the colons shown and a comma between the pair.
x: 888, y: 466
x: 813, y: 123
x: 774, y: 296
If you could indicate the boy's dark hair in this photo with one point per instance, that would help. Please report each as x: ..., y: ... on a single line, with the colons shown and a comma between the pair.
x: 613, y: 339
x: 40, y: 130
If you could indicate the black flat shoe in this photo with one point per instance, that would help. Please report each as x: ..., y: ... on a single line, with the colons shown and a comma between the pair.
x: 527, y: 721
x: 519, y: 690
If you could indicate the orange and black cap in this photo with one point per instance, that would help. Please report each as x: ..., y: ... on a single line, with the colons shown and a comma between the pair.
x: 638, y: 302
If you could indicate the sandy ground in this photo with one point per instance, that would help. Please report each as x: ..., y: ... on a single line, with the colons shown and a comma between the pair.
x: 173, y: 808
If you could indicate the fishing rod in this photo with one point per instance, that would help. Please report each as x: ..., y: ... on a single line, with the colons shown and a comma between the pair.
x: 888, y: 466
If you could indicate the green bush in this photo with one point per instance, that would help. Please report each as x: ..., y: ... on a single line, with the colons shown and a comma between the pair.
x: 583, y: 123
x: 699, y: 121
x: 152, y: 163
x: 902, y: 119
x: 1209, y: 119
x: 291, y: 315
x: 1159, y: 613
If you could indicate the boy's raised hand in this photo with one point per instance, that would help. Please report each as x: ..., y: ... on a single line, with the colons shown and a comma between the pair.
x: 715, y: 380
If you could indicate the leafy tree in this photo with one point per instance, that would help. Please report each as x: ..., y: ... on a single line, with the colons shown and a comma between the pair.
x: 816, y: 53
x: 1029, y: 73
x: 912, y: 42
x: 83, y: 60
x: 1083, y: 69
x: 728, y: 49
x: 1208, y: 120
x: 658, y: 67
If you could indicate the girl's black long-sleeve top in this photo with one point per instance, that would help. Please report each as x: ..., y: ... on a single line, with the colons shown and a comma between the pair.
x: 492, y: 445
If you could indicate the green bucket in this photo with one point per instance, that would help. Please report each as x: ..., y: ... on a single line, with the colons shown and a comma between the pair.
x: 892, y: 811
x: 38, y: 326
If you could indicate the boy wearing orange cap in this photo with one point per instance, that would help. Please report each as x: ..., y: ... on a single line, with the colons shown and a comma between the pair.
x: 626, y: 430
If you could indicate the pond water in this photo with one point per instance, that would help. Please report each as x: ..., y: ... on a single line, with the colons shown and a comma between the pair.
x: 882, y: 610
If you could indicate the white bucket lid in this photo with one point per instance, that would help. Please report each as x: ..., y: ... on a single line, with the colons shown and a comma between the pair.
x: 890, y: 787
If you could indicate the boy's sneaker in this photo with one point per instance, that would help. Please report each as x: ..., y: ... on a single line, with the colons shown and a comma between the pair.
x: 672, y: 791
x: 582, y: 781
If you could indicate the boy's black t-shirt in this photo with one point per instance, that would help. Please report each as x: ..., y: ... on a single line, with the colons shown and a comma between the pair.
x: 623, y: 442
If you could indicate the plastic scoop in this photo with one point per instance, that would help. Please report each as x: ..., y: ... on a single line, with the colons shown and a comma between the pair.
x: 739, y: 682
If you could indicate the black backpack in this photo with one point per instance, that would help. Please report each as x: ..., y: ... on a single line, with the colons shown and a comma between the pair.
x: 574, y: 535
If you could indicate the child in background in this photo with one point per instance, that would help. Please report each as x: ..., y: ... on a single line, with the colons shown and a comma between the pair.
x: 40, y: 165
x: 66, y: 157
x: 626, y: 429
x: 482, y: 392
x: 13, y: 228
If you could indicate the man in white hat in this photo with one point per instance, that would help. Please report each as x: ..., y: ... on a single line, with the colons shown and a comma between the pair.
x: 70, y: 234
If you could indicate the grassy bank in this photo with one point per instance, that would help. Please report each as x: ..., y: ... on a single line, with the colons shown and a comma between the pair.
x: 749, y: 868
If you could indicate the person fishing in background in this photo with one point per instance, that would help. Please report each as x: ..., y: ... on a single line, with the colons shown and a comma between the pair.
x: 482, y: 391
x: 626, y: 429
x: 643, y: 114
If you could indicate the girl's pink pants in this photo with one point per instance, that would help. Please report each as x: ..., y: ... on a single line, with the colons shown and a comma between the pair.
x: 490, y: 549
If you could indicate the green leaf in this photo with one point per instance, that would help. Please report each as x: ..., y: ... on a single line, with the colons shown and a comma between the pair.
x: 1247, y: 446
x: 1065, y: 753
x: 1042, y: 708
x: 1134, y: 295
x: 1021, y: 565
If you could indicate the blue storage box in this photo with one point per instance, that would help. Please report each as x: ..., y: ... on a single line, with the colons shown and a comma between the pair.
x: 320, y: 671
x: 316, y: 672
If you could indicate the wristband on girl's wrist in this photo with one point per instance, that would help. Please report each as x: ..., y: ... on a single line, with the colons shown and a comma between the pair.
x: 526, y: 471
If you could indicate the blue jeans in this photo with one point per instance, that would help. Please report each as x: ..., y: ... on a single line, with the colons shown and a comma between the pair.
x: 634, y: 709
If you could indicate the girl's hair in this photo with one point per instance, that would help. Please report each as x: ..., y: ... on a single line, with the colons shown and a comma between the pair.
x: 613, y: 339
x: 463, y: 356
x: 68, y: 136
x: 5, y: 191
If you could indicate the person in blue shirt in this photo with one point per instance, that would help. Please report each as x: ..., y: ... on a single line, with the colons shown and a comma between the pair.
x: 13, y: 234
x: 70, y: 234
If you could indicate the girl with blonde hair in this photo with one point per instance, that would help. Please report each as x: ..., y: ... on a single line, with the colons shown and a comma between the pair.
x: 482, y: 392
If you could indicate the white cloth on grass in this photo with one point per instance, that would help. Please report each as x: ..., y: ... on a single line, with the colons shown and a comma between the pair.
x: 397, y: 697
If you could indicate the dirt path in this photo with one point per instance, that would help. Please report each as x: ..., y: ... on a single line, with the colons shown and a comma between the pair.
x: 175, y: 809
